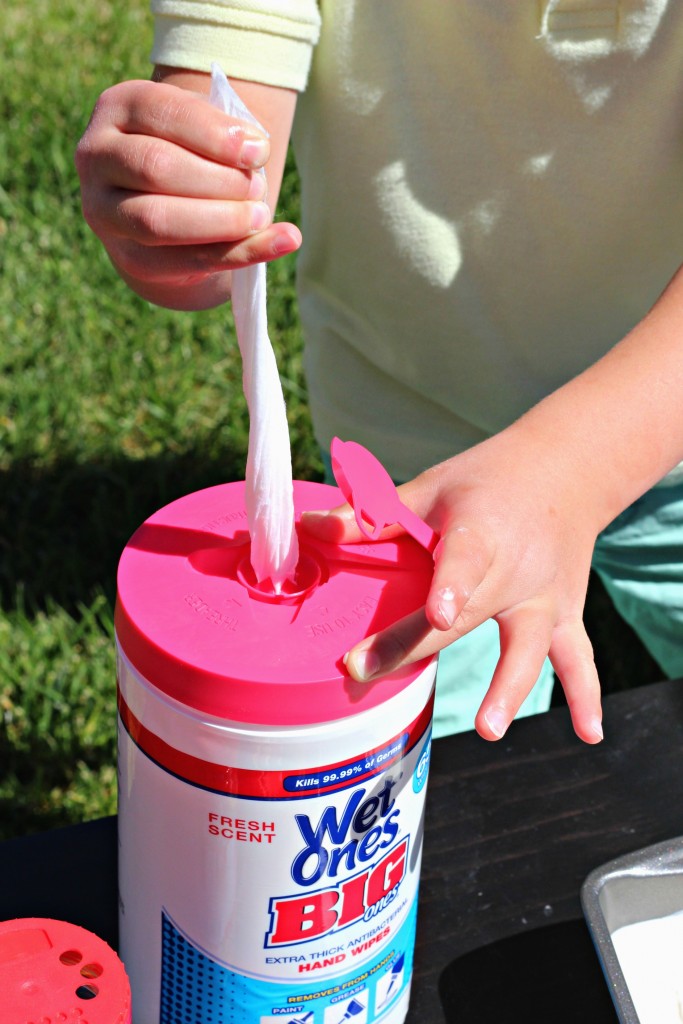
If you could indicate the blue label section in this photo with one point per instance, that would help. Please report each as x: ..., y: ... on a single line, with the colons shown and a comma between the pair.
x: 197, y: 990
x: 354, y: 771
x: 422, y: 767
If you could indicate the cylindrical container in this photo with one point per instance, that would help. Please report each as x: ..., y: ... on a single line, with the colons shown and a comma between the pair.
x: 54, y: 971
x: 270, y: 808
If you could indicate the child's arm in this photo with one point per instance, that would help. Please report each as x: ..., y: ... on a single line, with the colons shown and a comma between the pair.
x: 169, y: 184
x: 520, y: 513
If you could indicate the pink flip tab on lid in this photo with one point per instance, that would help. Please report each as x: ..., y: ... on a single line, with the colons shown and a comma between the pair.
x: 192, y: 620
x: 58, y: 972
x: 372, y: 494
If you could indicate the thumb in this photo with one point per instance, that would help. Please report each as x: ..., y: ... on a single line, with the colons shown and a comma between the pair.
x: 335, y: 525
x: 338, y: 526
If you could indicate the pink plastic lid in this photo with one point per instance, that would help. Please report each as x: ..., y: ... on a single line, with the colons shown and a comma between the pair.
x: 54, y: 971
x: 193, y: 622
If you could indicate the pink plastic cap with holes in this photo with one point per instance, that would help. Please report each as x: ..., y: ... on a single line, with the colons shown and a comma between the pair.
x: 58, y: 972
x: 192, y: 620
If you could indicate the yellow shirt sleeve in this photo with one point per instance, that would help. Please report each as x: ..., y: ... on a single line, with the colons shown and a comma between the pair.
x: 267, y: 41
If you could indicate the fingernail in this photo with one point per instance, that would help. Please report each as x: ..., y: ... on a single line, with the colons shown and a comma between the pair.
x: 446, y: 605
x: 283, y: 244
x: 257, y: 186
x: 497, y: 721
x: 254, y: 152
x: 596, y: 728
x: 260, y: 216
x: 362, y: 664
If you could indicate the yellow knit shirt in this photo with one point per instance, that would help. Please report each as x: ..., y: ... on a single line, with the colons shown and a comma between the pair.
x: 492, y: 195
x: 269, y: 42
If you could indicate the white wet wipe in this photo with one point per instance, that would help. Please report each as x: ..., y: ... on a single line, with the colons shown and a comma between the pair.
x: 269, y: 492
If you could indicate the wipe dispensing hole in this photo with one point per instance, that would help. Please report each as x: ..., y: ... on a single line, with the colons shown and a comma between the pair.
x: 308, y: 576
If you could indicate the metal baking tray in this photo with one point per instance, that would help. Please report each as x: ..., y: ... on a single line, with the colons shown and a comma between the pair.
x: 638, y: 886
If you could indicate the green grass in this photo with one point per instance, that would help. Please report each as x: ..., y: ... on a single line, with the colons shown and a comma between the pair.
x: 109, y: 408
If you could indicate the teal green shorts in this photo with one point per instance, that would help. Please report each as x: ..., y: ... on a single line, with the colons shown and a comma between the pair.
x: 639, y: 558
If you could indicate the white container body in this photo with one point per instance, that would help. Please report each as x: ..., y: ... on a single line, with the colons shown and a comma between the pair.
x: 269, y: 872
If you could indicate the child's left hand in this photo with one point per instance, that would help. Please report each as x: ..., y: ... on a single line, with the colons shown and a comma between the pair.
x: 516, y: 545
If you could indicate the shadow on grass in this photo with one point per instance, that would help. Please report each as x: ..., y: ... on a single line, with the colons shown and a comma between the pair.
x: 62, y: 529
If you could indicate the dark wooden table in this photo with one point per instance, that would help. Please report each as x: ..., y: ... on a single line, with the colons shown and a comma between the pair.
x: 512, y: 830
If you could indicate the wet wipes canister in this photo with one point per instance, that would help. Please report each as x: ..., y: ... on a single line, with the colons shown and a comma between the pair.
x: 270, y: 808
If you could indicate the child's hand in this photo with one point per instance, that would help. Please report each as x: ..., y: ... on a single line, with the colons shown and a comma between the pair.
x: 519, y: 515
x: 516, y: 545
x: 171, y: 187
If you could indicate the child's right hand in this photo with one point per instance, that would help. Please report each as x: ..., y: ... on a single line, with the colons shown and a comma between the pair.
x: 172, y: 188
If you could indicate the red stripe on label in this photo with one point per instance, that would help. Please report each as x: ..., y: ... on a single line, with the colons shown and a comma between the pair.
x: 250, y: 782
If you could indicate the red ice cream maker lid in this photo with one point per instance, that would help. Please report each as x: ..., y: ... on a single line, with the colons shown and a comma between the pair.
x: 59, y: 972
